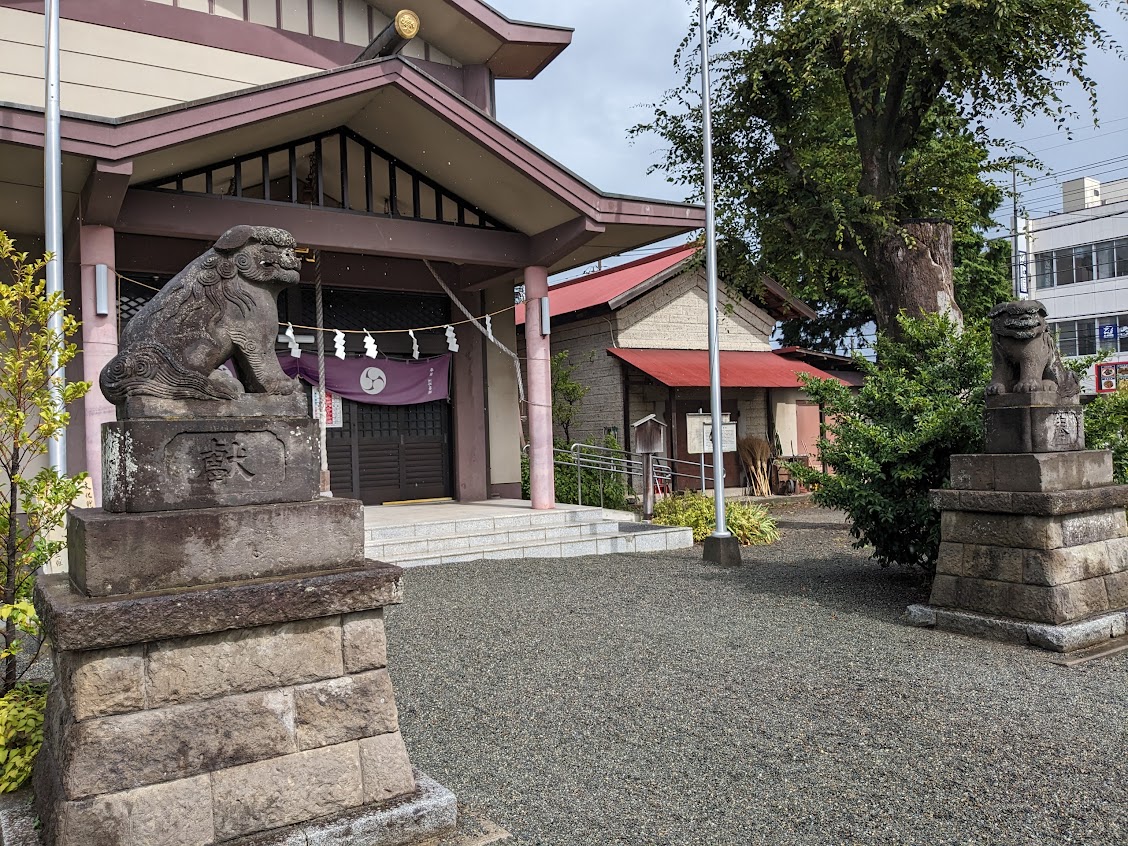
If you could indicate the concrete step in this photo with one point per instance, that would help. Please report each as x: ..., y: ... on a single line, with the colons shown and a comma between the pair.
x: 444, y: 540
x: 624, y: 537
x: 487, y: 525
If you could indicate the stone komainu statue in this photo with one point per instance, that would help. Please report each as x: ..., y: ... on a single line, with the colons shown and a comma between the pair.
x: 223, y: 306
x: 1024, y: 356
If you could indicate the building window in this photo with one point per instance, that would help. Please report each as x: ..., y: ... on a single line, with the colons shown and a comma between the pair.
x: 1063, y: 264
x: 1083, y: 263
x: 1106, y: 260
x: 1066, y: 336
x: 1076, y: 337
x: 1044, y: 270
x: 1087, y: 337
x: 1121, y: 250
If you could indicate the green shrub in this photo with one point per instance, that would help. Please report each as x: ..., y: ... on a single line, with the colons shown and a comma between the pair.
x: 750, y: 524
x: 1106, y: 427
x: 615, y: 487
x: 21, y: 733
x: 890, y: 442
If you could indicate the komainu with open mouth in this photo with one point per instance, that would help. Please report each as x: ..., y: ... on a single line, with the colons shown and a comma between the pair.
x: 222, y: 307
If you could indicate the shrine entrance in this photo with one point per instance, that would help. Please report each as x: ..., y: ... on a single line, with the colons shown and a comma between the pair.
x: 390, y: 453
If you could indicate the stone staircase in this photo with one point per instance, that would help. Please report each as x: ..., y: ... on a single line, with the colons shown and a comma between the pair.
x: 445, y: 533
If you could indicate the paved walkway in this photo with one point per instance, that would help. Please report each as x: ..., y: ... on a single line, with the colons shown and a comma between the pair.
x: 657, y: 700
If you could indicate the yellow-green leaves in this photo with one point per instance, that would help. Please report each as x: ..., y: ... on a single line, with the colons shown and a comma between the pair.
x: 21, y: 733
x: 750, y: 524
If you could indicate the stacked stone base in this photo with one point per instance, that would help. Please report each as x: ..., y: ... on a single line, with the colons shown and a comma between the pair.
x: 1033, y: 547
x: 226, y: 715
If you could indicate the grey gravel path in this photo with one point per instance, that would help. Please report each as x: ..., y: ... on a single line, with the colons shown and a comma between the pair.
x: 656, y: 700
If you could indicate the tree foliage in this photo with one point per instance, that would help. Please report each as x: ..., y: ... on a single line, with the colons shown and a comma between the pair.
x: 567, y: 394
x: 890, y: 442
x: 1106, y: 427
x: 31, y: 506
x: 839, y: 123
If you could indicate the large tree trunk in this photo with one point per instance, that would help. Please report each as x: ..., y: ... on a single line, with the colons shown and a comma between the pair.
x: 914, y: 274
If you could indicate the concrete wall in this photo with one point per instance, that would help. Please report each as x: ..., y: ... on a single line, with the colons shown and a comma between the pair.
x: 752, y: 405
x: 505, y: 438
x: 110, y: 72
x: 586, y: 342
x: 783, y: 402
x: 676, y: 316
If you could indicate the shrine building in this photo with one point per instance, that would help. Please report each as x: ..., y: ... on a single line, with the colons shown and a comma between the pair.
x: 371, y: 135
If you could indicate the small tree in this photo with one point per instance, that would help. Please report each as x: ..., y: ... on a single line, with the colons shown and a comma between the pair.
x: 567, y: 394
x: 31, y: 506
x: 922, y: 401
x: 1106, y: 427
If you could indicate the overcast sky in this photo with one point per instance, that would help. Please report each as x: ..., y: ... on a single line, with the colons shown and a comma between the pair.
x: 578, y: 110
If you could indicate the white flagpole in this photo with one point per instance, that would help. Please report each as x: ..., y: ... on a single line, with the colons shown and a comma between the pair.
x: 721, y: 528
x: 53, y: 205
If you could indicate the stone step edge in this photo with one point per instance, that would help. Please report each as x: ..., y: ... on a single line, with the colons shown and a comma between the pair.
x: 494, y: 538
x: 684, y: 535
x: 1065, y: 637
x: 526, y: 521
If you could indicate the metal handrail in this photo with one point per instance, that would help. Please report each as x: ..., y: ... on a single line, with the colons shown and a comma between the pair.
x: 604, y: 459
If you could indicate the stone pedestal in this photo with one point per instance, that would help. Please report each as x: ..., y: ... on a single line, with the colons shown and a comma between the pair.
x: 1033, y: 547
x: 220, y: 663
x: 1035, y: 422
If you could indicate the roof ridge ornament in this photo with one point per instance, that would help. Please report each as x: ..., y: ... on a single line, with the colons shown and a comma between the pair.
x: 392, y: 38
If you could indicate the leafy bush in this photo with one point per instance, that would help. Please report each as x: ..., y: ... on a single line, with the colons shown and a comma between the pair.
x: 32, y: 507
x: 615, y: 487
x: 750, y: 524
x: 889, y: 443
x: 21, y: 733
x: 1106, y: 427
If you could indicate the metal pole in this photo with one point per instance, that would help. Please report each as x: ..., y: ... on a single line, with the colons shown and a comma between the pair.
x: 1014, y: 235
x: 648, y: 486
x: 318, y: 304
x: 720, y: 530
x: 53, y: 211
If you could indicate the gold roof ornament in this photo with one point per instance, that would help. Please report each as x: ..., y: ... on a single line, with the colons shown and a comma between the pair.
x: 407, y: 23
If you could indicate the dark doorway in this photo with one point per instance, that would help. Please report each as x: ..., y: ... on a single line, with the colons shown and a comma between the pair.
x: 387, y: 453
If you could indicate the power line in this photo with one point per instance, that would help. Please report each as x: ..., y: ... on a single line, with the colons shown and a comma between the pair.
x: 1057, y: 132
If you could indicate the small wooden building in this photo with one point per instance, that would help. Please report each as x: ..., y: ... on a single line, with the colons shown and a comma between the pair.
x: 637, y: 335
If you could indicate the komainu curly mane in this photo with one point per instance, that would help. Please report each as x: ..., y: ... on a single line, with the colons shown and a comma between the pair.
x: 222, y: 306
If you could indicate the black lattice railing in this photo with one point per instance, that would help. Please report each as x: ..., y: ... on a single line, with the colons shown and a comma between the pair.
x: 338, y: 169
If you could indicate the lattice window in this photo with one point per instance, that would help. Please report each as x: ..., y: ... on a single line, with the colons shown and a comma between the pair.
x: 132, y: 296
x: 377, y: 421
x: 426, y: 419
x: 339, y: 170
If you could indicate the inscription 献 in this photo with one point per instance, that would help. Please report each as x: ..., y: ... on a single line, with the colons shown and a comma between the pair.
x: 223, y: 458
x: 225, y: 462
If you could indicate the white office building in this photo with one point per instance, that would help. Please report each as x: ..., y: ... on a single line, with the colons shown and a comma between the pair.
x: 1076, y: 263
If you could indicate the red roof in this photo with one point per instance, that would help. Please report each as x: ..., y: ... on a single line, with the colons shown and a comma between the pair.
x: 739, y: 369
x: 602, y: 287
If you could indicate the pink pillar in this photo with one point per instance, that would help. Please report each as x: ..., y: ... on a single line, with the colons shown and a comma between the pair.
x: 99, y: 340
x: 542, y: 482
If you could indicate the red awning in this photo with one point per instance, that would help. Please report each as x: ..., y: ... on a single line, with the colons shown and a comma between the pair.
x: 690, y: 368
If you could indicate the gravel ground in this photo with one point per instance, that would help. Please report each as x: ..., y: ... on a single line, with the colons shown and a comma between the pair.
x: 658, y: 700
